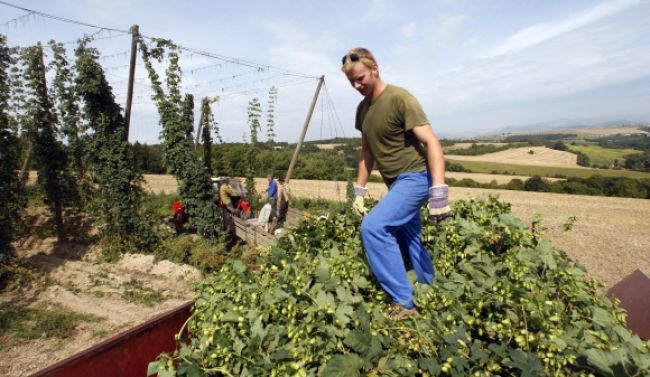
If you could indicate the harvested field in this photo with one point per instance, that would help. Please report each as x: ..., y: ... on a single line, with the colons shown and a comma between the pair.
x: 541, y: 156
x: 159, y: 183
x: 486, y: 178
x: 610, y: 237
x: 327, y: 146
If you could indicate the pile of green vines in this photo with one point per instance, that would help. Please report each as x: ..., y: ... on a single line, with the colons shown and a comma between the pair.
x: 504, y: 303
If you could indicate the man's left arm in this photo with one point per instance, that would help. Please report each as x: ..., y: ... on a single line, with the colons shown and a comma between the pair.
x: 438, y: 192
x: 435, y: 156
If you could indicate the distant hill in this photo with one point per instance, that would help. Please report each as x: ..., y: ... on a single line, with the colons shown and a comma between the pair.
x: 573, y: 126
x: 580, y: 128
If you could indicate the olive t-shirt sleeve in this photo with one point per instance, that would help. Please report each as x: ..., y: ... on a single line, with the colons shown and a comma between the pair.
x: 414, y: 116
x: 357, y: 118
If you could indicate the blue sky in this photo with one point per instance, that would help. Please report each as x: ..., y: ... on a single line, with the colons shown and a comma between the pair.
x: 476, y: 66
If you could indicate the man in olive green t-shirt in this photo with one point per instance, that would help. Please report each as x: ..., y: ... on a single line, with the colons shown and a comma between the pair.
x: 397, y: 138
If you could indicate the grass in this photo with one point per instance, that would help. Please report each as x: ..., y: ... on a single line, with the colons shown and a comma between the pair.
x: 317, y: 206
x: 546, y: 171
x: 159, y: 204
x: 197, y: 252
x: 14, y: 276
x: 100, y: 334
x: 19, y: 323
x: 135, y: 292
x: 72, y: 287
x: 602, y: 156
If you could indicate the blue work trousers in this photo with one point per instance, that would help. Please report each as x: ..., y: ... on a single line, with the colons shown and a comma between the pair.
x: 392, y: 229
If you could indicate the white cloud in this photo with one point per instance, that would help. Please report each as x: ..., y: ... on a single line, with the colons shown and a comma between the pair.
x: 539, y: 33
x: 445, y: 26
x: 582, y: 60
x: 439, y: 30
x: 378, y: 11
x: 409, y: 30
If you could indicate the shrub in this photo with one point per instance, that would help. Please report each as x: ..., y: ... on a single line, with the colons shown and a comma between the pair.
x: 204, y: 255
x: 536, y: 183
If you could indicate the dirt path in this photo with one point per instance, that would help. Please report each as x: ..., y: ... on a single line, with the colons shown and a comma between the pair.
x: 71, y: 276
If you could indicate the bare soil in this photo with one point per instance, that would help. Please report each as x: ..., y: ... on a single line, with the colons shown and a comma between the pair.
x: 73, y: 276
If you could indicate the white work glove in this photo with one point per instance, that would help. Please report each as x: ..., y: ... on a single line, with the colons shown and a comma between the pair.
x: 358, y: 205
x: 439, y: 203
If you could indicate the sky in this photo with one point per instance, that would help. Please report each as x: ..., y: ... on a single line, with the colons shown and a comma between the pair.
x: 477, y: 67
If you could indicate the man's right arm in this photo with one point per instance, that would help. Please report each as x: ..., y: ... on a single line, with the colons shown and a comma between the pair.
x: 366, y: 162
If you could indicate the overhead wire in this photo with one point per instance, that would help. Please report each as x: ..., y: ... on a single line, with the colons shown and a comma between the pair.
x: 336, y: 115
x: 238, y: 61
x: 24, y: 16
x: 300, y: 78
x: 58, y: 18
x: 223, y: 58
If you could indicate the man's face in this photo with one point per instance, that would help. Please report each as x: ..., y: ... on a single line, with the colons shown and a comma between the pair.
x: 362, y: 78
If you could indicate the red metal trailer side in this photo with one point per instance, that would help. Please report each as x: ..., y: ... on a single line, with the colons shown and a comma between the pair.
x: 128, y: 353
x: 634, y: 293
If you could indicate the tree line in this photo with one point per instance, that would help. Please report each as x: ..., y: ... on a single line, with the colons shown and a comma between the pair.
x: 231, y: 159
x: 596, y: 186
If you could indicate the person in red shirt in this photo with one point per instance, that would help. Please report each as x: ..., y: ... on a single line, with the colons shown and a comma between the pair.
x: 178, y: 212
x: 244, y: 208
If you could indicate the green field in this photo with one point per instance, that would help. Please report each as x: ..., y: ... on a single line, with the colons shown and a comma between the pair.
x: 546, y: 171
x: 602, y: 156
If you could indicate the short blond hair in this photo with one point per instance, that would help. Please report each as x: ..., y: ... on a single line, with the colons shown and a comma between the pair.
x: 363, y: 55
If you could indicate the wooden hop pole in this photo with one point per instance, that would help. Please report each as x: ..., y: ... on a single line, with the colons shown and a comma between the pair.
x: 294, y: 159
x: 135, y: 32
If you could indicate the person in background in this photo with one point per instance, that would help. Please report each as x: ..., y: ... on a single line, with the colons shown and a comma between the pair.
x: 178, y: 215
x: 272, y: 194
x: 397, y: 139
x: 225, y: 194
x: 244, y: 208
x: 284, y: 199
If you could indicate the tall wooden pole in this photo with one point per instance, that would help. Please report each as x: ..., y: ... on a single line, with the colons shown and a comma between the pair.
x: 294, y: 159
x: 292, y: 164
x: 135, y: 32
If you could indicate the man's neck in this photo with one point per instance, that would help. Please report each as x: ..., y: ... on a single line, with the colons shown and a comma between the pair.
x: 379, y: 87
